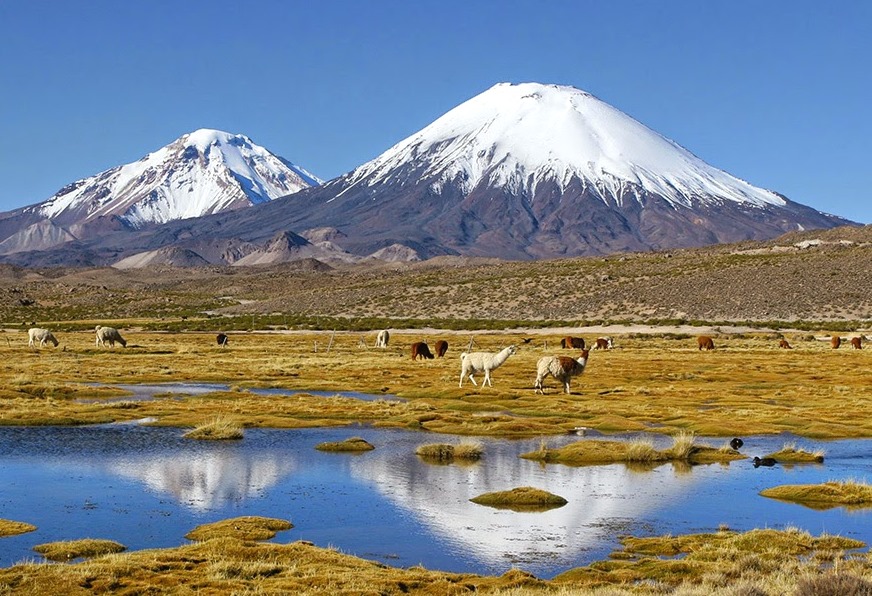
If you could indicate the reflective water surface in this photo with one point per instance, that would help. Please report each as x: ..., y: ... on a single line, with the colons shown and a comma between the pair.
x: 146, y: 487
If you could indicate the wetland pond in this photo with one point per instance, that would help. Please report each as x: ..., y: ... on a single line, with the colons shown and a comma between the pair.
x: 146, y: 487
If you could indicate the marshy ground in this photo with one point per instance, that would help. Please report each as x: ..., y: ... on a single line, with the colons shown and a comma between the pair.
x: 654, y: 382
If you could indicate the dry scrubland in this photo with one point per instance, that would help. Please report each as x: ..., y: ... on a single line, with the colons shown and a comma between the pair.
x: 658, y: 382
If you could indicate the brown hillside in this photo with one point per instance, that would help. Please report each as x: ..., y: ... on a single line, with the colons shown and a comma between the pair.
x: 800, y: 276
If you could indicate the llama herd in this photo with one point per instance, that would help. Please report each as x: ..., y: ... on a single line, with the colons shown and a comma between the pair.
x: 562, y: 368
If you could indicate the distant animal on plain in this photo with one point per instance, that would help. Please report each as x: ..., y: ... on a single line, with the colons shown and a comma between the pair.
x: 704, y: 342
x: 561, y: 368
x: 576, y: 343
x: 737, y: 443
x: 835, y: 341
x: 783, y: 344
x: 473, y: 362
x: 441, y: 347
x: 603, y: 343
x: 221, y: 338
x: 109, y: 335
x: 382, y: 339
x: 856, y: 343
x: 41, y: 336
x: 526, y: 340
x: 420, y: 348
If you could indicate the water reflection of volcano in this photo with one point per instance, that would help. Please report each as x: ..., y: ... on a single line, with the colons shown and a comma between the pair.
x: 208, y: 480
x: 601, y: 499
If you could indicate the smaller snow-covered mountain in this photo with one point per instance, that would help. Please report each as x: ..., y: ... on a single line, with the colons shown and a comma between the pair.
x: 206, y: 171
x: 200, y: 173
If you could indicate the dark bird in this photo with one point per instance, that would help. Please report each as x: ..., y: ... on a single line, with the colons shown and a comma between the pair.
x: 526, y: 340
x: 736, y: 443
x: 766, y: 461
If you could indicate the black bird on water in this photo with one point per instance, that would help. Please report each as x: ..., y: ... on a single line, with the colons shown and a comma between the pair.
x: 765, y: 461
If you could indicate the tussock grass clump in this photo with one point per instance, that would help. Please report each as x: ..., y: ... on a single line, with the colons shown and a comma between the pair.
x: 350, y: 444
x: 642, y: 451
x: 790, y: 454
x: 824, y: 496
x: 9, y: 527
x: 241, y: 528
x: 218, y: 429
x: 75, y: 549
x: 524, y: 498
x: 444, y: 452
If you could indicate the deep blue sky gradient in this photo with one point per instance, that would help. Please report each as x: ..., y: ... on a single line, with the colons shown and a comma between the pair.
x: 775, y: 92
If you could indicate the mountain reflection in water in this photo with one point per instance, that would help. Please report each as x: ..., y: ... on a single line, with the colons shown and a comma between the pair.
x: 146, y: 487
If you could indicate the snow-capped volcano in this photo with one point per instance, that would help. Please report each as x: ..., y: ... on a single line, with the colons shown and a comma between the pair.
x: 538, y: 171
x: 518, y: 136
x: 206, y: 171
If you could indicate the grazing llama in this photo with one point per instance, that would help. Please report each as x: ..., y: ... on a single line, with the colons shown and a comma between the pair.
x: 441, y: 348
x: 382, y: 339
x: 603, y: 343
x: 41, y: 336
x: 704, y: 342
x: 561, y: 368
x: 473, y: 362
x: 109, y: 335
x: 420, y: 348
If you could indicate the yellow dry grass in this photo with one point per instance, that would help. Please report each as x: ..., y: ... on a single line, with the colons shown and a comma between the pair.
x: 638, y: 451
x: 349, y: 444
x: 852, y: 494
x: 249, y: 527
x: 10, y: 527
x: 746, y: 386
x: 74, y: 549
x: 217, y: 429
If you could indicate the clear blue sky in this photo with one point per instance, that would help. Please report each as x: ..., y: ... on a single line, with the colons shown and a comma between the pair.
x: 775, y: 92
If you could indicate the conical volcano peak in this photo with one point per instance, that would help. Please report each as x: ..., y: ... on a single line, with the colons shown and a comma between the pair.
x: 519, y: 135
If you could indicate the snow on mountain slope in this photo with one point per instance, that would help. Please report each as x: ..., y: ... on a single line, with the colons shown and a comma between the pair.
x: 203, y: 172
x: 517, y: 136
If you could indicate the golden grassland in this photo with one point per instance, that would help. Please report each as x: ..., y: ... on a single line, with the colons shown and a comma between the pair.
x: 659, y: 383
x: 656, y: 383
x: 855, y: 495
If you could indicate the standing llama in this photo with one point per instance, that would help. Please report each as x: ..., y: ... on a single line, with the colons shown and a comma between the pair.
x: 561, y: 368
x: 473, y: 362
x: 109, y: 335
x: 41, y: 336
x: 382, y: 339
